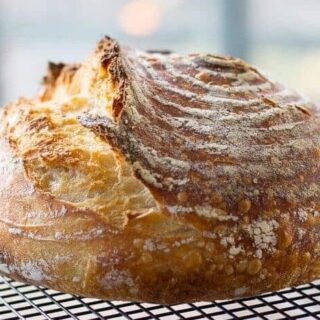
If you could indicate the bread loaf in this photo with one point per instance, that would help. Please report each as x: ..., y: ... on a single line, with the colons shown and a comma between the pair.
x: 152, y: 176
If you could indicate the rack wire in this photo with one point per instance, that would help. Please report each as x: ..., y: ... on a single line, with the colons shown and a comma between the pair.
x: 23, y: 301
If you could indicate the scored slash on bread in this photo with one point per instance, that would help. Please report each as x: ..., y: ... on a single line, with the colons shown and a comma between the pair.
x: 153, y: 176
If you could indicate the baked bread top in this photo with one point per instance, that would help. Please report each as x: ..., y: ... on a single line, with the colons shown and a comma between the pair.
x: 210, y: 135
x: 158, y: 177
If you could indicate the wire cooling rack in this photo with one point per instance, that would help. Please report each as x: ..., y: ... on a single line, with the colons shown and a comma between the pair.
x: 22, y: 301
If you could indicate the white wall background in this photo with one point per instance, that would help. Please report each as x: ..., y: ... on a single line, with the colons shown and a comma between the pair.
x: 282, y: 37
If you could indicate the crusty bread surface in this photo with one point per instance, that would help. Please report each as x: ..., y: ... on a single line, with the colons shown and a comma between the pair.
x: 152, y: 176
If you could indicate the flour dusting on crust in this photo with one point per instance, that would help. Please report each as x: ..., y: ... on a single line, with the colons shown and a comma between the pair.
x: 200, y: 124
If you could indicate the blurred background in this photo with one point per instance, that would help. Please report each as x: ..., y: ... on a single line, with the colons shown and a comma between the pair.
x: 280, y: 37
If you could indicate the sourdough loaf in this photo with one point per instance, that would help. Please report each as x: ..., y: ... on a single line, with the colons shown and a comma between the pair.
x: 152, y: 176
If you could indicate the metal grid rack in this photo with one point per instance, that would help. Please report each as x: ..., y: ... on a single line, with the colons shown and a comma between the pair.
x: 22, y: 301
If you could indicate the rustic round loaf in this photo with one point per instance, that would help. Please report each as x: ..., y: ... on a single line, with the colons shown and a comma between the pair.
x: 152, y: 176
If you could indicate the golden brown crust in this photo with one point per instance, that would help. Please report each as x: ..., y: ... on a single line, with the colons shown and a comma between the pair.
x: 73, y: 216
x: 65, y: 159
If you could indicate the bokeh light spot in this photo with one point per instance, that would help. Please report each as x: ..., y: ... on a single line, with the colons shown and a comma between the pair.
x: 140, y: 17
